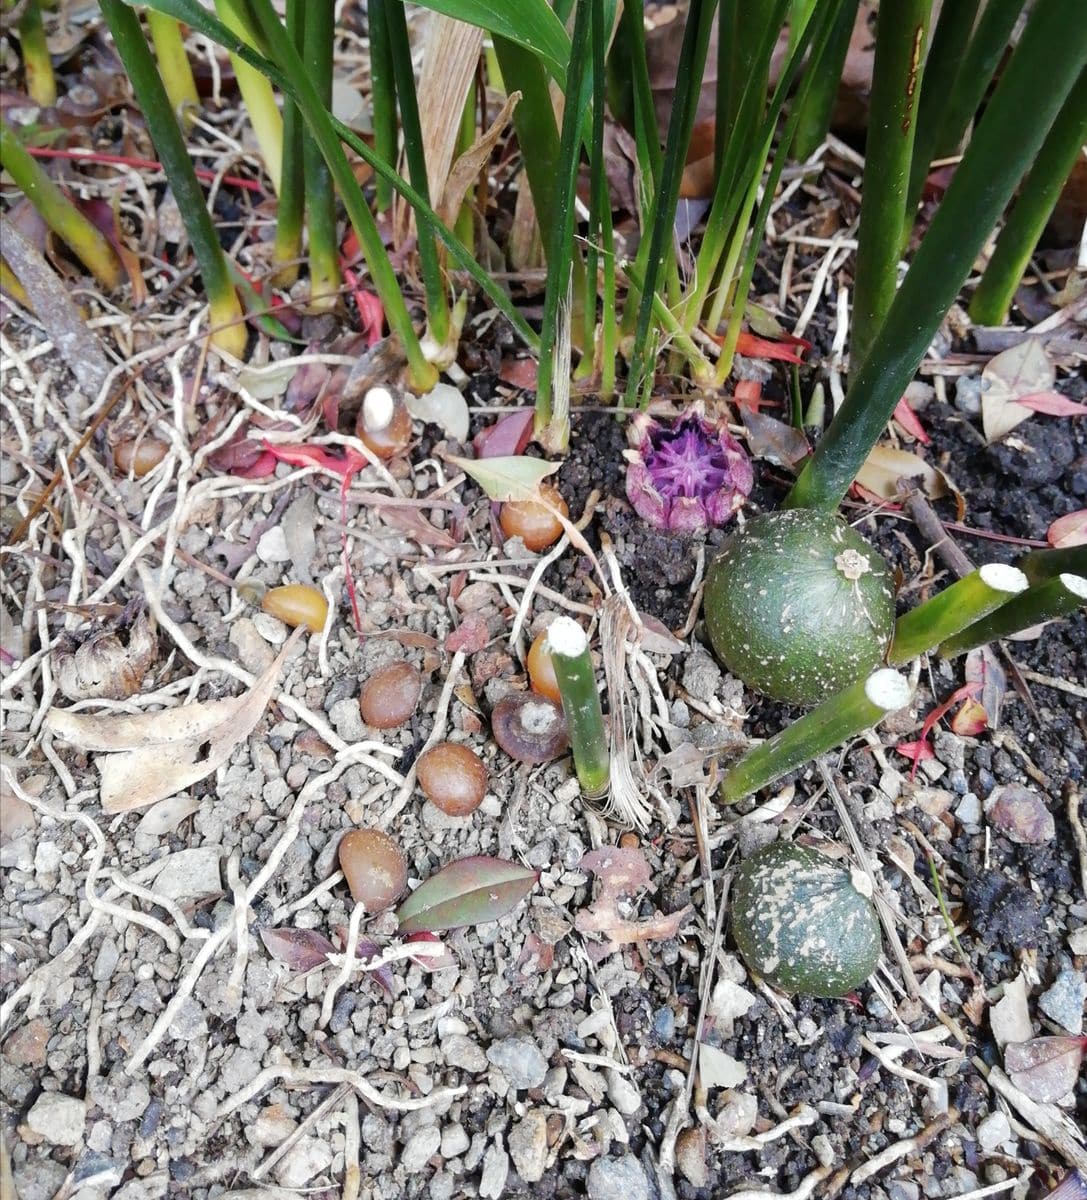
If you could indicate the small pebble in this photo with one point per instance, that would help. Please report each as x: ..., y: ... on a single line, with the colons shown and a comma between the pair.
x: 519, y: 1060
x: 617, y: 1179
x: 528, y: 1145
x: 59, y: 1119
x: 1064, y: 1001
x: 308, y: 1157
x: 496, y: 1169
x: 454, y: 1141
x: 993, y: 1131
x: 420, y: 1148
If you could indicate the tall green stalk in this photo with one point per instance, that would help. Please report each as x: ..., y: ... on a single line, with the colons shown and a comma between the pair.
x: 228, y: 330
x: 1042, y: 70
x: 743, y: 68
x: 553, y: 420
x: 41, y: 83
x: 1032, y: 209
x: 318, y: 38
x: 948, y: 43
x: 174, y: 68
x: 901, y: 33
x: 437, y: 301
x: 260, y: 101
x: 290, y: 211
x: 569, y: 650
x: 58, y: 212
x: 382, y: 94
x: 600, y: 201
x: 1057, y: 597
x: 814, y: 123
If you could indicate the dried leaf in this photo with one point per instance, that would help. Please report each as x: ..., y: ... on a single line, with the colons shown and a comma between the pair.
x: 167, y: 815
x: 623, y: 872
x: 299, y: 526
x: 299, y: 949
x: 466, y: 892
x: 791, y: 351
x: 1022, y: 370
x: 618, y: 870
x: 970, y: 720
x: 410, y: 520
x: 984, y: 670
x: 107, y: 666
x: 509, y: 435
x: 470, y: 636
x: 907, y: 418
x: 1053, y: 404
x: 1069, y: 530
x: 885, y: 466
x: 773, y: 440
x: 431, y: 960
x: 468, y: 166
x: 1020, y: 814
x: 509, y: 478
x: 444, y: 406
x: 366, y: 951
x: 519, y: 373
x: 1045, y: 1068
x: 149, y: 756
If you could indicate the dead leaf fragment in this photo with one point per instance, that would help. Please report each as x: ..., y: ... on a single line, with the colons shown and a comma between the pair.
x: 1045, y: 1068
x: 1069, y: 530
x: 149, y: 756
x: 885, y: 466
x: 106, y: 666
x: 622, y: 873
x: 1021, y: 371
x: 773, y: 440
x: 1020, y: 814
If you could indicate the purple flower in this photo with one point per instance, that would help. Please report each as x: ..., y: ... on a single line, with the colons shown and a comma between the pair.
x: 686, y: 477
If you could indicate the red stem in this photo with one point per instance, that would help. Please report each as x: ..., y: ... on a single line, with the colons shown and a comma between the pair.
x: 149, y: 164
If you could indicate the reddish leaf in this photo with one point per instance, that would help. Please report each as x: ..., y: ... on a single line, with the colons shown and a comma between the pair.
x: 909, y: 421
x: 365, y: 950
x: 244, y: 457
x: 1053, y: 404
x: 300, y: 949
x: 471, y: 635
x: 432, y: 961
x: 371, y: 311
x: 416, y: 526
x: 970, y: 720
x: 983, y: 668
x: 748, y: 394
x: 1045, y: 1068
x: 920, y: 750
x: 773, y: 440
x: 519, y: 373
x: 100, y: 213
x: 466, y: 892
x: 508, y: 435
x: 1069, y: 530
x: 915, y: 751
x: 752, y: 346
x: 301, y: 455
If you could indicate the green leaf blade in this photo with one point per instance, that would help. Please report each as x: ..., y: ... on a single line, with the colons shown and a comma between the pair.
x: 469, y: 891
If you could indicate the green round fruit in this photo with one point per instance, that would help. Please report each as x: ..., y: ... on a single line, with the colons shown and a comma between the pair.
x: 799, y: 606
x: 801, y: 923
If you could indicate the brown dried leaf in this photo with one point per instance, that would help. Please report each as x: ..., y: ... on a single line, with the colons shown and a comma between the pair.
x: 300, y: 949
x: 1020, y: 371
x: 623, y: 872
x: 773, y: 440
x: 1045, y: 1068
x: 885, y: 466
x: 468, y: 166
x: 983, y: 667
x: 149, y: 756
x: 105, y: 666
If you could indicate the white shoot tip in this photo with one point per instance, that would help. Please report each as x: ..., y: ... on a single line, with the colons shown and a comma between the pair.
x: 888, y: 690
x: 377, y: 409
x: 1076, y: 584
x: 1003, y: 578
x: 566, y: 637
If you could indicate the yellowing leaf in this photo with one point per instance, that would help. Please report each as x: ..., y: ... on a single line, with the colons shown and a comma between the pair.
x: 513, y: 478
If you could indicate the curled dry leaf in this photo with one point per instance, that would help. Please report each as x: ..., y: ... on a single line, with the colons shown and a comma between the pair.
x: 466, y: 892
x: 773, y: 440
x: 149, y: 756
x: 1045, y: 1068
x: 885, y: 466
x: 1069, y: 530
x: 1020, y: 814
x: 107, y: 666
x: 299, y: 949
x: 620, y: 873
x: 1017, y: 383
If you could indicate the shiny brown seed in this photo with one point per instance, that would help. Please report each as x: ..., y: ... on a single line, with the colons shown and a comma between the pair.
x: 532, y: 520
x: 384, y: 424
x: 390, y: 696
x: 138, y: 456
x: 453, y: 778
x: 374, y: 866
x: 297, y: 604
x: 529, y: 727
x: 541, y: 669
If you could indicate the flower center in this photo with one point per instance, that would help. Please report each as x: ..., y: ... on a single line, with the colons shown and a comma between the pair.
x: 684, y: 462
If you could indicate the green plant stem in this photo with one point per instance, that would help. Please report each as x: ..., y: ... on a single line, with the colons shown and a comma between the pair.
x: 679, y: 337
x: 743, y: 70
x: 976, y: 69
x: 814, y: 123
x: 949, y: 924
x: 1045, y: 64
x: 860, y: 706
x: 11, y: 284
x: 646, y: 137
x: 260, y: 101
x: 901, y: 32
x: 327, y: 135
x: 57, y: 211
x: 228, y: 331
x: 41, y: 83
x: 174, y: 66
x: 382, y: 94
x: 655, y: 253
x: 952, y: 610
x: 437, y: 301
x: 569, y: 649
x: 1039, y: 565
x: 290, y: 211
x: 464, y: 226
x: 600, y: 199
x: 1032, y: 209
x: 553, y: 420
x: 946, y: 49
x: 1058, y: 597
x: 318, y: 38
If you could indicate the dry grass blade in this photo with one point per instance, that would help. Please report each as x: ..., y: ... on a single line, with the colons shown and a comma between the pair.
x: 150, y: 756
x: 62, y: 320
x: 472, y: 161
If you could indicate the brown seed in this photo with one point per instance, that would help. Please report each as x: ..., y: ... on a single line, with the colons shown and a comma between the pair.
x: 384, y: 423
x: 297, y: 604
x: 390, y: 696
x: 532, y: 520
x: 453, y: 778
x: 541, y: 669
x: 529, y: 727
x: 138, y: 455
x: 374, y: 866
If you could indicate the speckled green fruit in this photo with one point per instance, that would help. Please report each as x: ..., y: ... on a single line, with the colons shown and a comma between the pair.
x: 799, y: 606
x: 801, y: 923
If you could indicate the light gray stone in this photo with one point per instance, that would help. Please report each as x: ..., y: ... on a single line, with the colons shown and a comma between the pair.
x: 528, y: 1145
x: 461, y: 1051
x: 346, y: 719
x: 308, y: 1157
x: 454, y: 1141
x: 253, y: 651
x: 59, y: 1119
x: 189, y: 874
x: 993, y: 1131
x: 519, y: 1060
x: 623, y: 1094
x: 617, y: 1179
x: 496, y: 1169
x: 420, y: 1148
x: 1064, y: 1001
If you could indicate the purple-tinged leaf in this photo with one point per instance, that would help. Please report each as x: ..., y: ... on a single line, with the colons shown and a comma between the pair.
x: 508, y: 435
x: 432, y: 961
x: 300, y: 949
x: 365, y: 950
x: 1045, y: 1068
x: 466, y: 892
x: 773, y: 440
